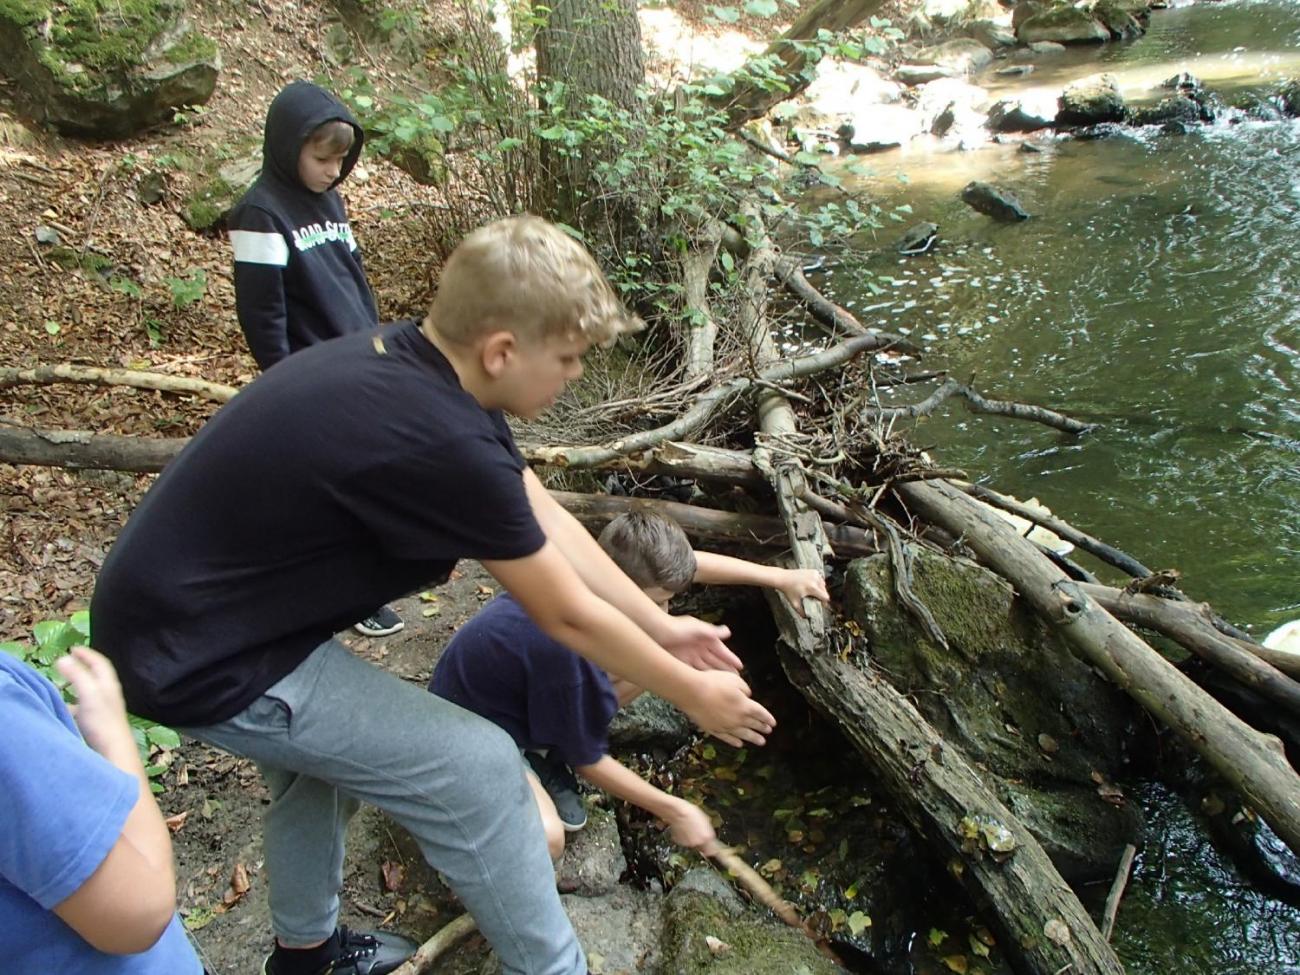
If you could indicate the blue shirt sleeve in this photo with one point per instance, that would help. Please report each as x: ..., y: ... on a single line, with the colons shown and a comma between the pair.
x: 65, y: 805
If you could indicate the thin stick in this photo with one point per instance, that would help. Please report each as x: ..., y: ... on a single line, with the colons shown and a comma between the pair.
x: 762, y: 892
x: 1117, y: 891
x: 429, y: 952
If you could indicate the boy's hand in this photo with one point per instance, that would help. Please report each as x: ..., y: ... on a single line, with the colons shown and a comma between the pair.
x: 725, y: 710
x: 100, y: 712
x: 690, y: 827
x: 796, y: 584
x: 697, y: 643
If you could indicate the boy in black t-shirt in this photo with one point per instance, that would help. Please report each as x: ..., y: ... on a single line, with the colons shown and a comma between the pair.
x: 299, y: 279
x: 388, y: 460
x: 551, y: 701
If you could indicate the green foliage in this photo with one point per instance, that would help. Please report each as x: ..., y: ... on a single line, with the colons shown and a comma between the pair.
x: 51, y: 639
x: 188, y: 290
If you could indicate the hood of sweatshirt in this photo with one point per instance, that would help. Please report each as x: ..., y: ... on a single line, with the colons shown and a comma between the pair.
x: 298, y: 110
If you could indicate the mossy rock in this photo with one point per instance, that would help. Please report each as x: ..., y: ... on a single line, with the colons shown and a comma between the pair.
x: 746, y: 942
x: 220, y: 189
x: 1008, y: 692
x: 105, y: 68
x: 1064, y: 25
x: 1289, y: 98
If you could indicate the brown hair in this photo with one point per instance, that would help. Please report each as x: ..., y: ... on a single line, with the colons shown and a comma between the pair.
x: 525, y: 275
x: 332, y: 137
x: 652, y: 550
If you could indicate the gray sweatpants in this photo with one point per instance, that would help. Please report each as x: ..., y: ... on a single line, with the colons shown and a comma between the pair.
x: 337, y: 732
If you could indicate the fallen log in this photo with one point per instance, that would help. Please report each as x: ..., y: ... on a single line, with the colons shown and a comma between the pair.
x: 1046, y: 931
x: 98, y: 375
x: 83, y: 450
x: 1253, y: 762
x: 1190, y: 625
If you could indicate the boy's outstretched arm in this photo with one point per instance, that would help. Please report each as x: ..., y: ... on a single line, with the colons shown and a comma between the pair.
x: 557, y: 599
x: 126, y: 904
x: 689, y: 824
x: 795, y: 584
x: 691, y: 640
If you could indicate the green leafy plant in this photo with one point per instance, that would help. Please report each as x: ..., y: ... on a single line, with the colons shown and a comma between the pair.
x: 190, y: 289
x: 51, y: 639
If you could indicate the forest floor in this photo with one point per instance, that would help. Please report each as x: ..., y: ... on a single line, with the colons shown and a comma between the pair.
x: 119, y: 289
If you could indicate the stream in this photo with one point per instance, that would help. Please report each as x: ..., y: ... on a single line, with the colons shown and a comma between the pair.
x: 1156, y: 292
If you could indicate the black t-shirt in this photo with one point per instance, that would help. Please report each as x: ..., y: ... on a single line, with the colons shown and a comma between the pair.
x: 352, y: 473
x: 501, y: 665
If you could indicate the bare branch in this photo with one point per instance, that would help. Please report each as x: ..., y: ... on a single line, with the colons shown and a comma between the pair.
x: 979, y: 404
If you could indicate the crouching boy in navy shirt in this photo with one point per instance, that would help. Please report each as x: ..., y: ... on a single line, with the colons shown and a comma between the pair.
x: 86, y: 878
x: 552, y: 701
x: 353, y: 472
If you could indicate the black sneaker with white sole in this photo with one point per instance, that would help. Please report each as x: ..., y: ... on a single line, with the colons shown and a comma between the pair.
x: 348, y: 953
x: 562, y: 786
x: 381, y: 622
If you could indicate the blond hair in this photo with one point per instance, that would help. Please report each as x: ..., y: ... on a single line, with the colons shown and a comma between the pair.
x: 651, y: 549
x: 525, y: 275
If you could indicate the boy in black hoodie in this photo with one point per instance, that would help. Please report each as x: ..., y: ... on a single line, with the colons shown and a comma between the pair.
x: 298, y: 273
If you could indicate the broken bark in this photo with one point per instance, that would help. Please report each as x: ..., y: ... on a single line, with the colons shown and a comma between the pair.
x: 1253, y: 762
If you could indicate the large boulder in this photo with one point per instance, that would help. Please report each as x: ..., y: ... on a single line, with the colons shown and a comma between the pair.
x: 105, y: 68
x: 876, y: 128
x: 1092, y: 101
x: 1009, y: 693
x: 1064, y: 25
x: 1121, y: 21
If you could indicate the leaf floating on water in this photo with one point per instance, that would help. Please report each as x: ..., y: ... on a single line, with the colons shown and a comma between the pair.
x: 937, y: 937
x: 771, y: 868
x: 1048, y: 744
x: 956, y: 963
x: 978, y: 947
x: 858, y: 922
x: 1057, y: 932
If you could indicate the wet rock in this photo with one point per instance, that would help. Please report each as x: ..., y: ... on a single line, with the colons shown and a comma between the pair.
x: 992, y: 34
x: 1025, y: 113
x: 918, y: 239
x: 106, y: 73
x: 880, y: 127
x: 1092, y: 101
x: 593, y: 856
x: 993, y: 201
x: 1044, y: 48
x: 920, y: 74
x: 1179, y: 108
x: 841, y: 87
x: 1026, y: 9
x: 1062, y: 25
x: 1121, y: 22
x: 1289, y: 98
x: 1006, y: 684
x: 649, y: 722
x: 700, y: 934
x: 952, y: 108
x: 963, y: 55
x: 1184, y: 82
x: 1014, y: 70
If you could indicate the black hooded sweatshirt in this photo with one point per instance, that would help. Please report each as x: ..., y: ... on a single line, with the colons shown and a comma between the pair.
x: 298, y: 273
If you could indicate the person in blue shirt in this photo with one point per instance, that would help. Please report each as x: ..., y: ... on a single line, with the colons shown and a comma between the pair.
x: 86, y: 877
x: 558, y: 706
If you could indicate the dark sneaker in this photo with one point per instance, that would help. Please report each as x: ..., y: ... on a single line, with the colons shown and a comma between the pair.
x: 381, y: 622
x: 358, y: 953
x: 560, y: 784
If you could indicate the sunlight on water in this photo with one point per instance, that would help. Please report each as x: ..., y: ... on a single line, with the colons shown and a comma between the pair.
x: 1156, y: 291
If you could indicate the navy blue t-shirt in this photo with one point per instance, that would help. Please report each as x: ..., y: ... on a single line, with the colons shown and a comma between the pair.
x: 352, y: 473
x: 502, y: 666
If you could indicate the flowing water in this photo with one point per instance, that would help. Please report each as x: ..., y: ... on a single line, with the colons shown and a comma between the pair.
x: 1155, y: 291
